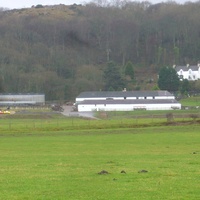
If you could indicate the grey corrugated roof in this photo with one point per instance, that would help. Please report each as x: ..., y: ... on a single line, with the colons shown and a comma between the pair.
x: 186, y: 68
x: 137, y: 101
x: 112, y: 94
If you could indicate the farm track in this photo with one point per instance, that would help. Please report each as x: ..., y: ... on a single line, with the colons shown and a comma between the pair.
x: 68, y: 111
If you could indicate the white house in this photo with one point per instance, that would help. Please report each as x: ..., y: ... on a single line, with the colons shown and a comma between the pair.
x: 189, y: 72
x: 126, y: 101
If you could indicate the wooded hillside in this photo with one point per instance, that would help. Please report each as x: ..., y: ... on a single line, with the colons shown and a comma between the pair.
x: 63, y: 50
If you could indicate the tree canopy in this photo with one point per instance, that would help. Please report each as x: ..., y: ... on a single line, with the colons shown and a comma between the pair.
x: 1, y: 85
x: 113, y: 78
x: 129, y: 70
x: 48, y: 48
x: 168, y: 79
x: 185, y: 86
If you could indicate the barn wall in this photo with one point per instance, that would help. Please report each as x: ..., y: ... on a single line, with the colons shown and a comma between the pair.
x: 127, y: 107
x: 165, y: 97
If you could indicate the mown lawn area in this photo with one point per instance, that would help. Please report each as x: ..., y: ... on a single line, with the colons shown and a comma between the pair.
x: 65, y: 164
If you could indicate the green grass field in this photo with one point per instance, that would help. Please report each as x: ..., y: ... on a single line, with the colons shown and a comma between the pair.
x: 60, y: 159
x: 191, y: 101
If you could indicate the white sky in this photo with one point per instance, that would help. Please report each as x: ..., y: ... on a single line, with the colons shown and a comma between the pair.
x: 11, y: 4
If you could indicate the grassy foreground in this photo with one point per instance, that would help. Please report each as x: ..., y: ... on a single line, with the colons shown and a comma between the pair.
x: 65, y: 164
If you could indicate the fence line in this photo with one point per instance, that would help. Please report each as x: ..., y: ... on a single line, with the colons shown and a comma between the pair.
x: 76, y: 123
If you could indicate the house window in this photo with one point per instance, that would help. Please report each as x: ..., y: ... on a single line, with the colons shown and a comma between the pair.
x: 194, y: 77
x: 124, y: 97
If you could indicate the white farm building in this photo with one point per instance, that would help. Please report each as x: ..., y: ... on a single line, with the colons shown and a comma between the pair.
x: 126, y: 101
x: 22, y: 99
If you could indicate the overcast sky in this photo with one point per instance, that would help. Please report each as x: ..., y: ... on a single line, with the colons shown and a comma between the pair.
x: 11, y: 4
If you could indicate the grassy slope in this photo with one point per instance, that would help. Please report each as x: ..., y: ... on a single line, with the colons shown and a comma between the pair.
x: 191, y: 101
x: 64, y: 165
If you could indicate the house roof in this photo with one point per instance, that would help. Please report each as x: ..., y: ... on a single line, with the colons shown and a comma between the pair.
x: 137, y: 101
x: 186, y: 68
x: 112, y: 94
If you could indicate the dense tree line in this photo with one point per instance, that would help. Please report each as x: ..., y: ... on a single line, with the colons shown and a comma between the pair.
x: 63, y: 50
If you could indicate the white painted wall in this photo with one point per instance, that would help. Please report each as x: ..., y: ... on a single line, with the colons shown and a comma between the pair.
x: 166, y: 97
x: 126, y: 107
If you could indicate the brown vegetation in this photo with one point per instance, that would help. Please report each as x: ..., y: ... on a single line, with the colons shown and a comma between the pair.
x: 63, y: 50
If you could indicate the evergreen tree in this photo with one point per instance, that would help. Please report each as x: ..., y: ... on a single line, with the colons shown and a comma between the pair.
x: 129, y: 70
x: 113, y: 78
x: 185, y: 86
x: 168, y: 79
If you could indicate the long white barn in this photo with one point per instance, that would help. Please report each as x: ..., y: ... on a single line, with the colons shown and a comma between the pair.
x: 126, y: 101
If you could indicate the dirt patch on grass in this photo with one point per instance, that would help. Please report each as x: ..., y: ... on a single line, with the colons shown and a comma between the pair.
x: 103, y: 172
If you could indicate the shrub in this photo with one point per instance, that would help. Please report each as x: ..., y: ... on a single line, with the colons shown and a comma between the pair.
x: 39, y: 6
x: 194, y: 116
x: 170, y: 117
